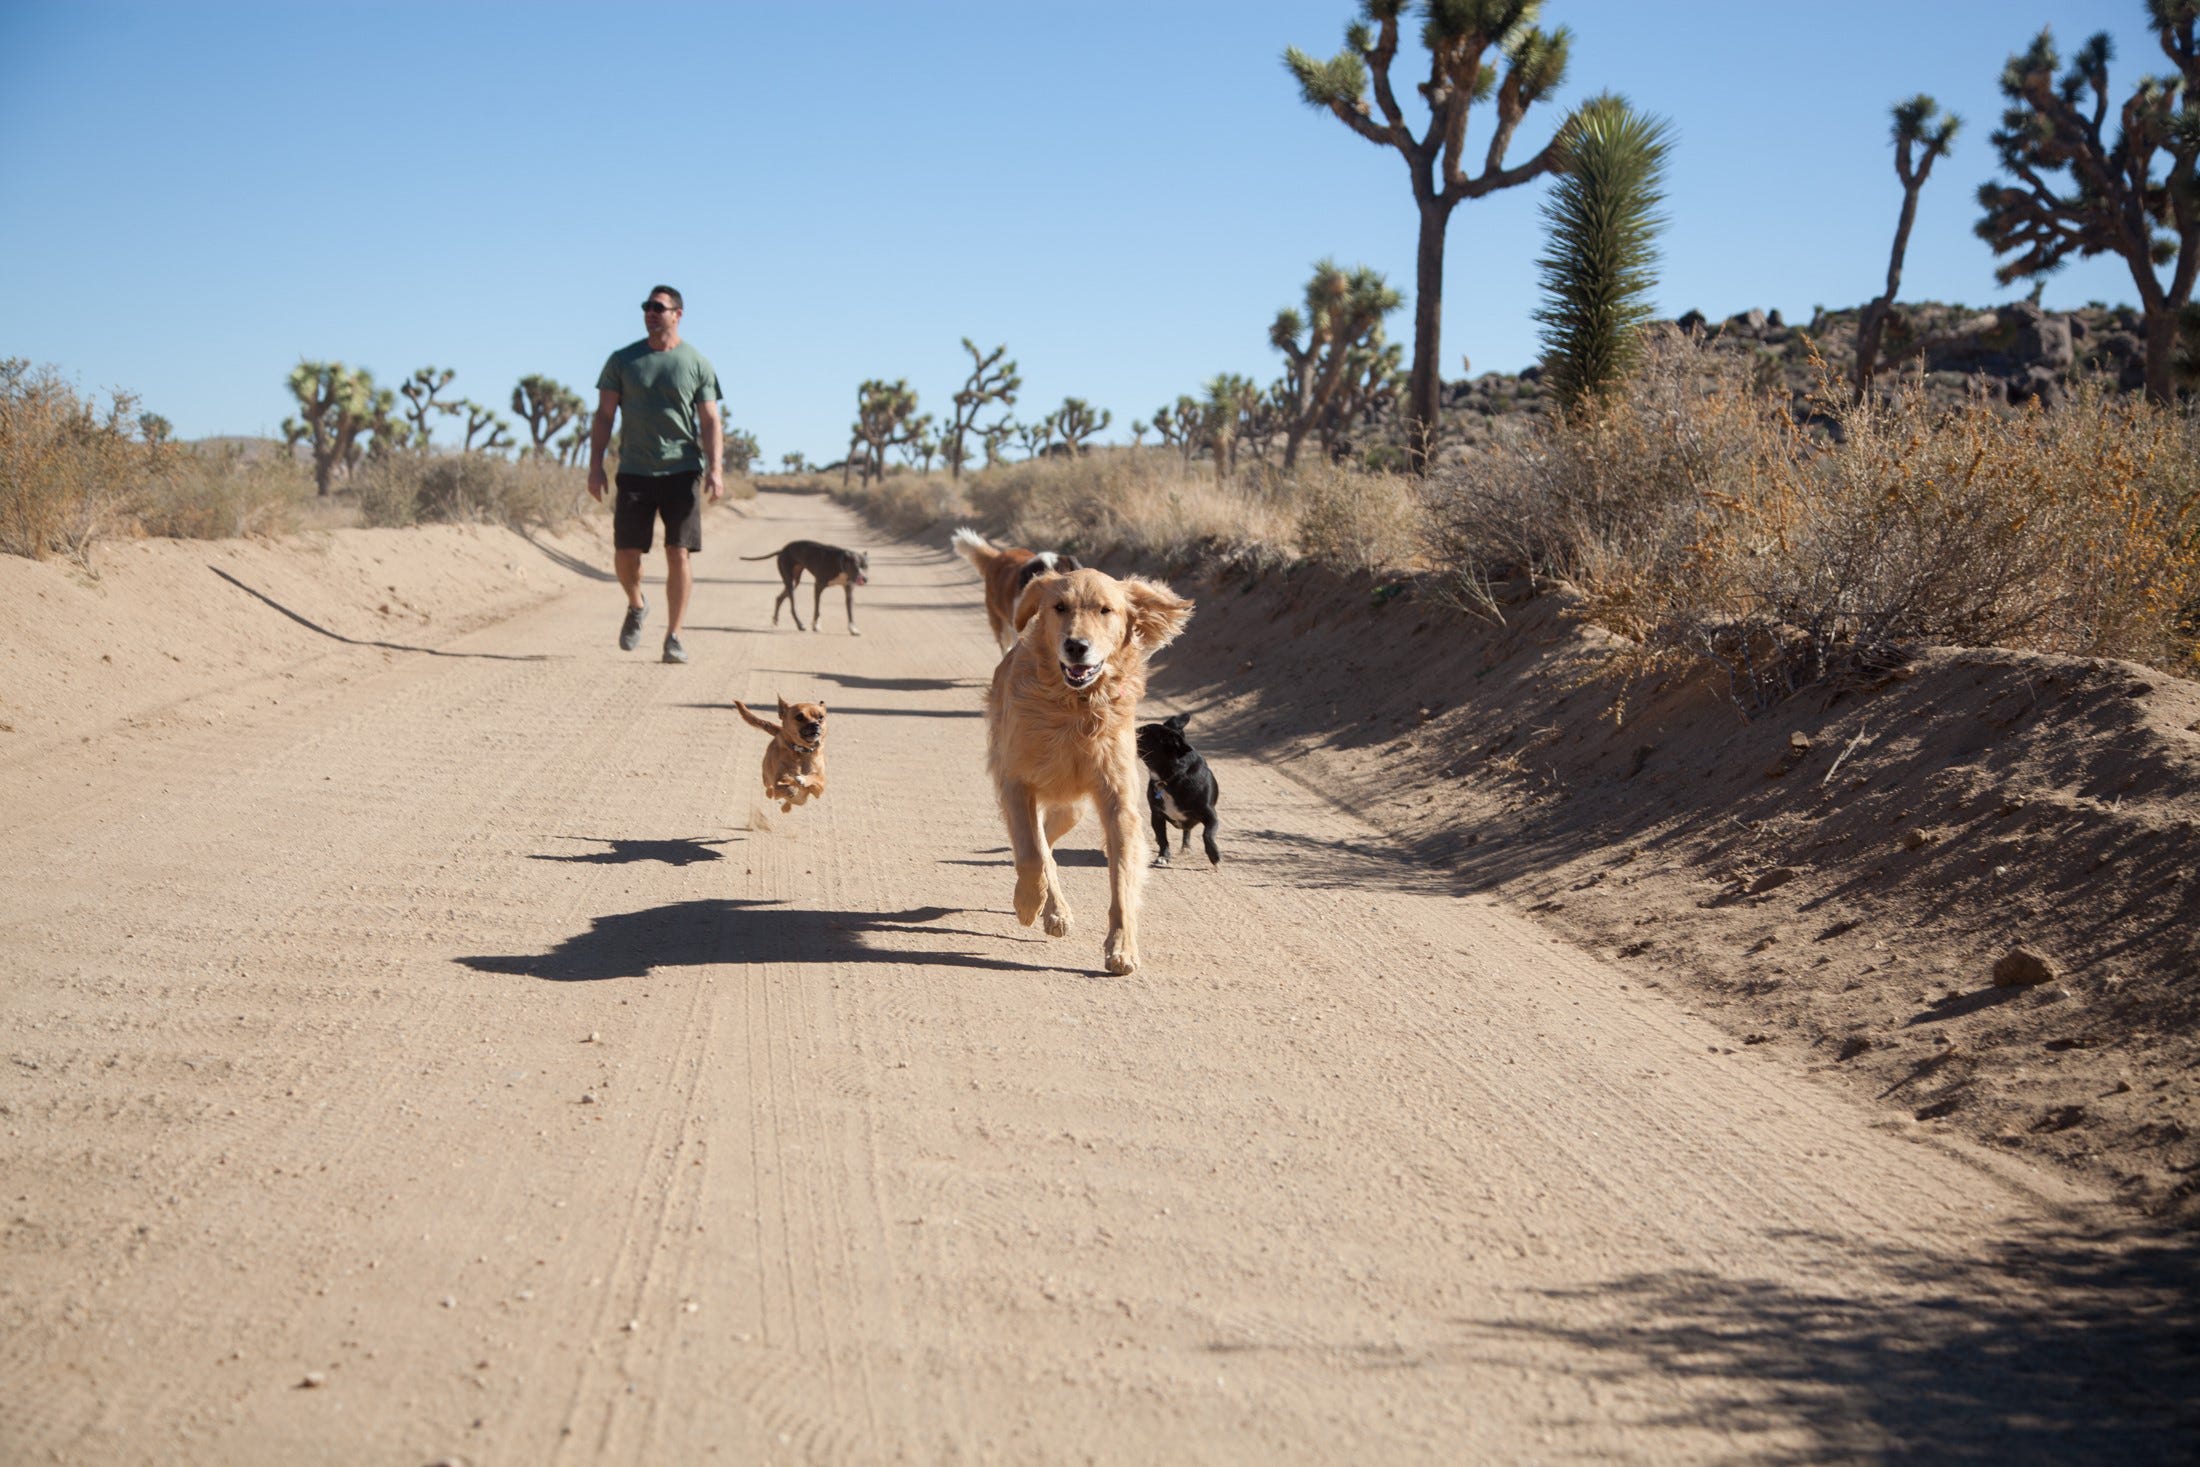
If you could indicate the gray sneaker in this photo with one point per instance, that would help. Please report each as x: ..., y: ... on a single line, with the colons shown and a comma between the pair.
x: 630, y: 630
x: 674, y: 652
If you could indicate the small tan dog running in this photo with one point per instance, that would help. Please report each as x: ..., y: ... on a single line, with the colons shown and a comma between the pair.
x: 1061, y: 733
x: 794, y: 761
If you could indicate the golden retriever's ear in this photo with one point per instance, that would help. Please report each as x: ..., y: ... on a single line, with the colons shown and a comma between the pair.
x: 785, y: 712
x: 1157, y: 613
x: 1036, y: 590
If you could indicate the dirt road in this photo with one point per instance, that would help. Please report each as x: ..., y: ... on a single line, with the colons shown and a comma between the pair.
x: 436, y: 1060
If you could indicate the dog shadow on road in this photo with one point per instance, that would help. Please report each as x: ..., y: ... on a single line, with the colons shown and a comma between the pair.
x: 731, y: 931
x: 682, y: 851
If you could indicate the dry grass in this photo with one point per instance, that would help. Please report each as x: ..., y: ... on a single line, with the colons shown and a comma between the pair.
x: 216, y: 493
x: 67, y: 469
x: 469, y: 488
x: 1701, y: 520
x: 1153, y: 507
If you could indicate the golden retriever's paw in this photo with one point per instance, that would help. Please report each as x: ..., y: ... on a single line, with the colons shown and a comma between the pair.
x: 1122, y: 957
x: 1057, y: 919
x: 1031, y: 894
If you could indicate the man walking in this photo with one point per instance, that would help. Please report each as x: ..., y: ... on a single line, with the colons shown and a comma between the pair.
x: 665, y: 394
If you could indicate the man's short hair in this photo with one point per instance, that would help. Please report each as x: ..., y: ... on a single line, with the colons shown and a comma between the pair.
x: 677, y: 303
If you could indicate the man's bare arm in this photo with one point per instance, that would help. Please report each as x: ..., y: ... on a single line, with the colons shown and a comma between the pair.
x: 599, y: 438
x: 714, y: 449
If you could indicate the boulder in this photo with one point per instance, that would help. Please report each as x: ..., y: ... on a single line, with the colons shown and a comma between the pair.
x: 2040, y: 338
x: 1692, y: 321
x: 1752, y: 321
x: 2022, y: 967
x: 2032, y: 383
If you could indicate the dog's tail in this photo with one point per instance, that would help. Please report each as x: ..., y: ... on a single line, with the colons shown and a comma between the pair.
x: 975, y: 548
x: 763, y: 723
x: 767, y: 555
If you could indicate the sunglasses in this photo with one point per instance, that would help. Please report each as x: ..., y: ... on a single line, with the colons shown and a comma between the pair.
x: 656, y: 308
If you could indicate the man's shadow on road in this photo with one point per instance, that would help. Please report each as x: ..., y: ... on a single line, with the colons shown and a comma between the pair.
x: 722, y: 931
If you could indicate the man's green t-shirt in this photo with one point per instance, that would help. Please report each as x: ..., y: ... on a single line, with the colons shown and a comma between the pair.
x: 658, y: 391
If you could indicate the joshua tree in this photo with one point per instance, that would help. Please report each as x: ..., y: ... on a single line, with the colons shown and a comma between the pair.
x: 1033, y: 438
x: 545, y: 405
x: 1343, y: 311
x: 741, y: 450
x: 1922, y: 133
x: 482, y: 419
x: 335, y: 406
x: 157, y: 429
x: 1139, y: 429
x: 1222, y: 418
x: 883, y: 414
x: 991, y: 380
x: 794, y: 463
x: 2116, y: 203
x: 996, y: 438
x: 419, y: 392
x: 920, y: 443
x: 1603, y: 221
x: 1459, y: 34
x: 1075, y: 421
x: 1180, y: 425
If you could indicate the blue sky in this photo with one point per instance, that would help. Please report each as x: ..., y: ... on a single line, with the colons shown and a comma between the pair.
x: 198, y: 195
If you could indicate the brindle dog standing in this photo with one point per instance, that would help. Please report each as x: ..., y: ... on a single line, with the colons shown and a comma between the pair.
x: 828, y: 565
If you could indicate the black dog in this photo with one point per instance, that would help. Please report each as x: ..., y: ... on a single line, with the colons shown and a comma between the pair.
x: 1182, y: 790
x: 828, y: 565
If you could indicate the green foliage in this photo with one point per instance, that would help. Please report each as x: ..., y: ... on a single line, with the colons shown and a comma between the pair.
x: 741, y: 450
x: 2078, y: 189
x: 482, y: 422
x: 545, y: 405
x: 1603, y: 224
x: 991, y: 381
x: 1336, y: 361
x: 1075, y: 421
x: 337, y: 405
x: 1465, y: 39
x: 419, y: 392
x: 884, y: 414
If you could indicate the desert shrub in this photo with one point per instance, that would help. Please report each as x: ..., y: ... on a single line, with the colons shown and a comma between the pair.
x: 1695, y: 516
x: 916, y: 506
x: 1357, y: 520
x: 2073, y: 531
x: 1145, y: 502
x: 67, y: 470
x: 469, y: 488
x: 216, y: 493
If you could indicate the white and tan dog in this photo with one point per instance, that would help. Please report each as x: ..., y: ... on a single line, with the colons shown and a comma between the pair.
x: 1061, y: 734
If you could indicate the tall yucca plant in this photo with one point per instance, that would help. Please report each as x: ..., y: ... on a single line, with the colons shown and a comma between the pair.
x: 1603, y: 220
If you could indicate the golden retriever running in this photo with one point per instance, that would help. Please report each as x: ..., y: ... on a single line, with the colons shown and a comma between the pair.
x: 1061, y: 732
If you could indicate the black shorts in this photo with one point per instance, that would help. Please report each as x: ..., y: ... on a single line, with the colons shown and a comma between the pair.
x: 643, y: 499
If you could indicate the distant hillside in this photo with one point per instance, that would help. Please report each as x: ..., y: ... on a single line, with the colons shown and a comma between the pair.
x: 2017, y: 351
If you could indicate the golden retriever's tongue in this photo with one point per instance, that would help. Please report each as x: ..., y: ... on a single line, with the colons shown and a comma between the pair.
x: 1080, y: 677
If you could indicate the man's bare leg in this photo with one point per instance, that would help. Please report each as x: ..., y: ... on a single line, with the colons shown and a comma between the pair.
x: 679, y: 579
x: 628, y: 565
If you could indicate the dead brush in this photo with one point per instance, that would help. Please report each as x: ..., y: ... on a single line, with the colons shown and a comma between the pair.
x: 2071, y: 531
x: 410, y: 487
x: 1358, y: 520
x: 1696, y: 517
x: 219, y: 493
x: 68, y: 472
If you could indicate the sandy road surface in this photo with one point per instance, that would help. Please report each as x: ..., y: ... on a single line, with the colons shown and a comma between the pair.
x: 299, y: 1086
